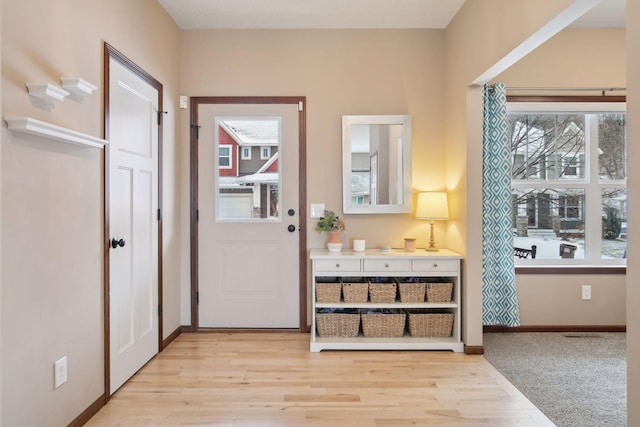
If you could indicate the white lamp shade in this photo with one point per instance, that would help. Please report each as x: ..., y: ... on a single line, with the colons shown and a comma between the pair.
x: 432, y: 205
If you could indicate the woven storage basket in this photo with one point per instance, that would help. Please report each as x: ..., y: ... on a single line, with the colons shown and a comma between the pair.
x: 410, y: 291
x: 328, y: 289
x: 439, y: 291
x: 338, y: 324
x: 382, y: 290
x: 383, y: 325
x: 354, y: 289
x: 423, y: 323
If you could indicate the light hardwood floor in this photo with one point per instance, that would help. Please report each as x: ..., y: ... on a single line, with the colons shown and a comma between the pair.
x: 271, y: 379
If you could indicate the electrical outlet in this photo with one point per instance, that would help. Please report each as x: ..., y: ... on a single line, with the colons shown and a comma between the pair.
x: 586, y: 292
x: 60, y: 372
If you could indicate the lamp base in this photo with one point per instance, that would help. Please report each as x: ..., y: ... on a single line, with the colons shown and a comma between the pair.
x: 432, y: 241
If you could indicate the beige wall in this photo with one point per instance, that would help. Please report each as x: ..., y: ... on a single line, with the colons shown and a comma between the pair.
x: 480, y: 35
x: 52, y: 198
x: 340, y: 73
x: 601, y: 54
x: 633, y: 183
x: 554, y: 300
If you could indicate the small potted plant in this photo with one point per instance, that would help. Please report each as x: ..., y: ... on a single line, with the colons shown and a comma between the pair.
x: 334, y: 225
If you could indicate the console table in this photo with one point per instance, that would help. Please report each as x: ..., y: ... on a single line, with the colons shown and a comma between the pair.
x: 443, y: 264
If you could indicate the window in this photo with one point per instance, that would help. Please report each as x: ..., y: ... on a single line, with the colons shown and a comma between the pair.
x: 569, y: 181
x: 224, y: 156
x: 265, y: 153
x: 246, y: 153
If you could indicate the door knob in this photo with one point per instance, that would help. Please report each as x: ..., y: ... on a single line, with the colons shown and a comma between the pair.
x: 291, y: 228
x: 115, y: 243
x: 291, y: 212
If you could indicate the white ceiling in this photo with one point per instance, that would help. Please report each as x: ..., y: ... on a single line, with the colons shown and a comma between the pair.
x: 333, y: 14
x: 302, y: 14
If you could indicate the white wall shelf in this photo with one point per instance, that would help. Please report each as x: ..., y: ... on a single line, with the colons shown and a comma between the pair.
x: 47, y: 91
x: 77, y: 86
x: 48, y: 131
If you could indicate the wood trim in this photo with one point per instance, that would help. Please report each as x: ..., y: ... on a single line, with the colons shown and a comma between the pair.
x: 302, y: 193
x: 172, y: 336
x: 302, y: 213
x: 554, y: 328
x: 571, y: 270
x: 473, y: 349
x: 86, y: 415
x: 109, y: 52
x: 245, y: 330
x: 193, y: 215
x: 107, y: 231
x: 566, y: 98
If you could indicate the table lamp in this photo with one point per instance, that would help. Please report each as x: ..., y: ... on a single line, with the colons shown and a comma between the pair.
x: 432, y: 205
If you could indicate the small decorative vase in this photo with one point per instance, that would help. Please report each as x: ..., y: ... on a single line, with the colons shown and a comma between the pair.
x: 334, y: 244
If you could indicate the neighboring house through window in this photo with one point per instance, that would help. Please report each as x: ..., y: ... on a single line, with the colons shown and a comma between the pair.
x: 265, y: 153
x: 569, y: 181
x: 246, y: 153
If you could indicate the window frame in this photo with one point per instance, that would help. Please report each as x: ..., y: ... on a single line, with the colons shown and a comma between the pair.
x: 244, y: 156
x: 262, y: 150
x: 590, y: 180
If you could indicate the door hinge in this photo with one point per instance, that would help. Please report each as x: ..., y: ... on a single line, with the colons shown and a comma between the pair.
x: 196, y: 129
x: 160, y: 113
x: 197, y: 215
x: 159, y: 310
x: 197, y: 297
x: 300, y: 106
x: 159, y: 215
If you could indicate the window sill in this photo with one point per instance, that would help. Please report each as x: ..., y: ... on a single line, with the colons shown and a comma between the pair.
x: 546, y: 269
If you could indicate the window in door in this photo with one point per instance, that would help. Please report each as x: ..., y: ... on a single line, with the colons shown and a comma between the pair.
x: 249, y: 191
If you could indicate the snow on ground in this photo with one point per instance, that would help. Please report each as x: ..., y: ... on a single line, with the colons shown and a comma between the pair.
x: 549, y: 248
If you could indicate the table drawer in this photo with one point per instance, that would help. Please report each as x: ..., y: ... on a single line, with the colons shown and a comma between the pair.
x: 434, y: 266
x: 338, y: 265
x: 381, y: 265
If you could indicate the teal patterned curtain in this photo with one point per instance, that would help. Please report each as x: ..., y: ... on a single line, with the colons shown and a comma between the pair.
x: 499, y: 297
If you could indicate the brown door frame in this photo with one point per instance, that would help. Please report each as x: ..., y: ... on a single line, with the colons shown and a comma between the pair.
x: 111, y: 53
x: 302, y: 202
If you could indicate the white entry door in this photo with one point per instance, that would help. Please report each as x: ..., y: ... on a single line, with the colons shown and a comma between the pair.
x: 248, y: 237
x: 133, y: 205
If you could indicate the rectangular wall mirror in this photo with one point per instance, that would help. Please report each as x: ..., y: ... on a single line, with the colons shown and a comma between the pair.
x: 376, y: 164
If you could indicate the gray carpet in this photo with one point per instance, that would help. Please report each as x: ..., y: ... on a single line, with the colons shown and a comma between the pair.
x: 575, y: 379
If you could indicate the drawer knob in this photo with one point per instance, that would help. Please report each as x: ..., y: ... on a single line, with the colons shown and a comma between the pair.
x: 435, y: 265
x: 386, y: 265
x: 337, y: 265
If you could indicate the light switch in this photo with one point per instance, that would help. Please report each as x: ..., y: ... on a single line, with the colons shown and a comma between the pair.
x: 317, y: 210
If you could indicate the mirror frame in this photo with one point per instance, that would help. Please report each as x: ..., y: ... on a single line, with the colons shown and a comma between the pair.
x: 407, y: 203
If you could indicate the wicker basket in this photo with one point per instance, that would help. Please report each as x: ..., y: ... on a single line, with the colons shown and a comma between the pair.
x: 389, y: 324
x: 328, y: 289
x: 439, y: 291
x: 338, y: 324
x: 382, y: 290
x: 354, y: 289
x: 410, y: 291
x: 424, y: 323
